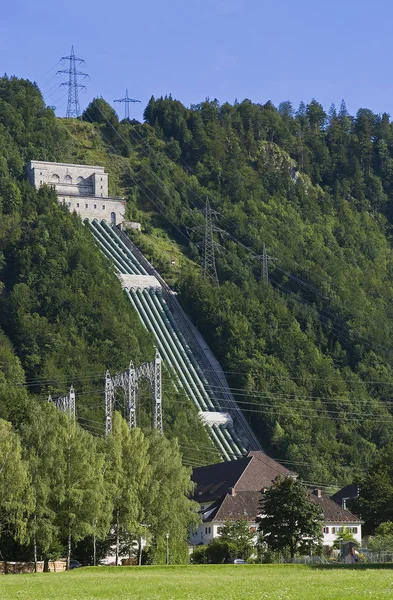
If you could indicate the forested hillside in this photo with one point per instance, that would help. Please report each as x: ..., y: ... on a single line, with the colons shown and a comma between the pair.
x: 309, y: 355
x: 63, y: 316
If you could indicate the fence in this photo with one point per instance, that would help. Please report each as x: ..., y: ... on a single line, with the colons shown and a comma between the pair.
x: 8, y: 567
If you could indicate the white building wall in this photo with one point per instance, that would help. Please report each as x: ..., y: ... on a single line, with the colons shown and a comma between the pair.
x: 330, y: 531
x: 89, y: 207
x: 210, y: 530
x: 82, y: 188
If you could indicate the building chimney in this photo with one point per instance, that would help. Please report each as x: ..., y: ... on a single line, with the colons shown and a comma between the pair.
x: 232, y: 491
x: 318, y: 493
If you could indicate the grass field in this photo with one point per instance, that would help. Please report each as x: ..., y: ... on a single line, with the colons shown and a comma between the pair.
x: 207, y: 582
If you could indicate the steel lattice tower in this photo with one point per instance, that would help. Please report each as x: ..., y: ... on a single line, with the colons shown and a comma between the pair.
x: 73, y: 108
x: 209, y: 270
x: 265, y: 260
x: 127, y: 102
x: 128, y: 382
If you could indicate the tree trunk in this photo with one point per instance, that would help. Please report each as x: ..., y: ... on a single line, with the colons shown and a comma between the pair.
x: 69, y: 549
x: 35, y: 554
x: 46, y: 564
x: 94, y: 550
x: 140, y: 551
x: 292, y: 551
x: 117, y: 538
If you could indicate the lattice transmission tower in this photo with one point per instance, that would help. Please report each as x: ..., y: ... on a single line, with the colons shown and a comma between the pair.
x: 265, y: 260
x: 73, y: 108
x: 127, y: 101
x: 209, y: 270
x: 65, y: 403
x: 128, y: 383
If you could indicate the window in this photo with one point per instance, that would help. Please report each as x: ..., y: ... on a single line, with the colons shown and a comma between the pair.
x: 55, y: 178
x: 86, y: 206
x: 353, y: 529
x: 95, y: 206
x: 69, y: 204
x: 68, y: 179
x: 333, y: 530
x: 326, y: 530
x: 208, y: 529
x: 103, y: 207
x: 77, y: 205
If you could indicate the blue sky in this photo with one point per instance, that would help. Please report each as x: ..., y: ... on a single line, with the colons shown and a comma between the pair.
x: 193, y: 49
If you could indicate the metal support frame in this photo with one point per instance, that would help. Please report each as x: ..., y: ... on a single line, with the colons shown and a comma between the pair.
x: 209, y: 271
x: 127, y: 102
x: 128, y: 383
x: 65, y: 403
x: 73, y: 108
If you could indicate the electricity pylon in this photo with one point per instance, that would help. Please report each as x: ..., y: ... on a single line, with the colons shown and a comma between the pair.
x: 265, y: 259
x: 73, y: 108
x: 209, y: 270
x: 127, y: 102
x: 65, y: 403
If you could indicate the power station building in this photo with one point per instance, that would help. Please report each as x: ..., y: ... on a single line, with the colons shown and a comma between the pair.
x: 82, y: 188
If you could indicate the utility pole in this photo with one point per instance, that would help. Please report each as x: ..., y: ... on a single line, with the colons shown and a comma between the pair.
x: 167, y: 548
x: 73, y: 108
x: 209, y: 270
x: 127, y: 102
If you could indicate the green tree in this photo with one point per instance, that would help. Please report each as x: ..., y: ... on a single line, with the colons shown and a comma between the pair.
x: 42, y: 436
x: 383, y: 539
x: 127, y: 476
x: 15, y: 492
x: 166, y: 507
x: 344, y: 536
x: 289, y: 517
x: 239, y: 538
x: 78, y: 504
x: 375, y: 502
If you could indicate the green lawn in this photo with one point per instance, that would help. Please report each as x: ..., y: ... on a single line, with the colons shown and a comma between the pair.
x: 221, y: 582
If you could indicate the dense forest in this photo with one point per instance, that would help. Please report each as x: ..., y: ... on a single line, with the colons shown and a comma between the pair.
x: 308, y: 354
x: 64, y: 319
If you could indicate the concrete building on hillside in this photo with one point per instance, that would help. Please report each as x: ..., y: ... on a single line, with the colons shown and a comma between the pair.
x: 82, y: 188
x: 232, y: 490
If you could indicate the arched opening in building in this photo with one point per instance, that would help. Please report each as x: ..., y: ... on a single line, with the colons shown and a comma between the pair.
x: 113, y: 218
x: 55, y: 178
x: 68, y: 179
